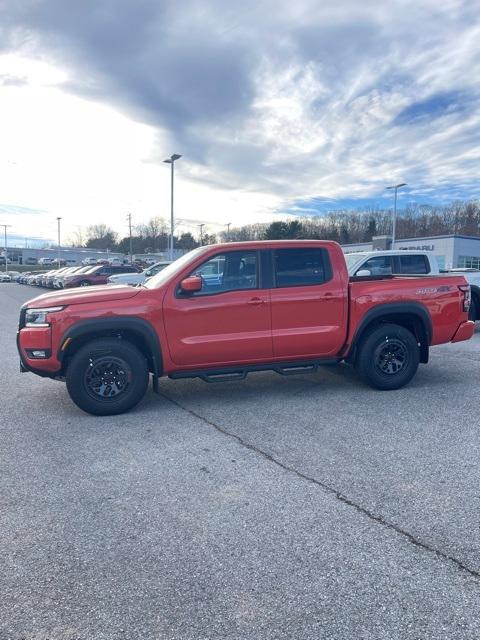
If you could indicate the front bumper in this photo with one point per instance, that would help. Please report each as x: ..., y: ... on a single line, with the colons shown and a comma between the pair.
x: 29, y: 340
x: 464, y: 332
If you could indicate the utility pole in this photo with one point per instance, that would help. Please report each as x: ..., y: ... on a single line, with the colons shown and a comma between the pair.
x: 58, y: 242
x: 228, y: 231
x: 394, y: 221
x: 171, y: 162
x: 201, y: 233
x: 5, y: 227
x: 129, y: 218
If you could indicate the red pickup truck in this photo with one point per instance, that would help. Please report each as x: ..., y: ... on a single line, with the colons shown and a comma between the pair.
x: 222, y: 311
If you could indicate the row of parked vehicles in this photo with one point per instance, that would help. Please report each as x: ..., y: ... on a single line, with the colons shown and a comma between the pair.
x: 85, y: 276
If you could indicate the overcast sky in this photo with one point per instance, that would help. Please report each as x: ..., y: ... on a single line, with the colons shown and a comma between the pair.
x: 277, y: 107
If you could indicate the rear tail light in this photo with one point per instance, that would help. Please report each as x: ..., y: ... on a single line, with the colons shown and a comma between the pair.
x: 467, y: 296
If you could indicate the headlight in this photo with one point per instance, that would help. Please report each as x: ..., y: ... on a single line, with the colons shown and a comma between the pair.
x: 38, y: 317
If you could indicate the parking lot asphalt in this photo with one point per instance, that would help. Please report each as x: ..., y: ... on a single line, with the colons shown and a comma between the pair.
x: 308, y: 507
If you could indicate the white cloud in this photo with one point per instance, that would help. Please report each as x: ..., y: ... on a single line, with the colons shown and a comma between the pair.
x: 270, y: 104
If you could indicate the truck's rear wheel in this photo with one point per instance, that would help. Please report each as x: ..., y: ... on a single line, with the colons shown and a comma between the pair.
x: 388, y: 357
x: 474, y: 309
x: 107, y: 376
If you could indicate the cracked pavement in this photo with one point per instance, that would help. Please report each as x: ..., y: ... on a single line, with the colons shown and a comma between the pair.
x: 303, y: 507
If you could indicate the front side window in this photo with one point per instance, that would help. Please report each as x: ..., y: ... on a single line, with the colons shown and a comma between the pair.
x: 414, y: 264
x: 230, y: 271
x: 378, y: 266
x: 297, y: 267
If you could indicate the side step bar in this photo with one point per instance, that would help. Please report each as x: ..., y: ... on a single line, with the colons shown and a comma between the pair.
x: 226, y: 374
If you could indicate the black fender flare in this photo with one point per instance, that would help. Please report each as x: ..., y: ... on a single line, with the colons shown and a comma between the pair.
x: 138, y: 326
x: 384, y: 311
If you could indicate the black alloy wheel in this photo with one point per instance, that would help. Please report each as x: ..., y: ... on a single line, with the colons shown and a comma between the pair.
x: 107, y: 376
x: 388, y: 356
x: 391, y: 357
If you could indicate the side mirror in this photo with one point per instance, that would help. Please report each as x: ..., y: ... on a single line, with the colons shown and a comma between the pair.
x: 191, y: 284
x: 363, y: 273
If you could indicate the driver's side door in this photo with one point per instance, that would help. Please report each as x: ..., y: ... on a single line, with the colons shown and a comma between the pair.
x: 227, y: 321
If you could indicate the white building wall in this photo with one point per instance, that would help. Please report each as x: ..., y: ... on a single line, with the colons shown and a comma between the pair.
x: 441, y: 246
x: 466, y: 247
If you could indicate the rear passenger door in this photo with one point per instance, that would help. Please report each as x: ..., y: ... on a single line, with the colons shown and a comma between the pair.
x: 308, y: 304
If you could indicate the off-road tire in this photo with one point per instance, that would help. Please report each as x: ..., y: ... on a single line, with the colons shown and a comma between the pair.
x: 387, y: 357
x: 107, y: 376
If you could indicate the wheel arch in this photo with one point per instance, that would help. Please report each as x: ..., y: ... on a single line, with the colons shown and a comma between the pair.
x: 137, y: 331
x: 412, y: 316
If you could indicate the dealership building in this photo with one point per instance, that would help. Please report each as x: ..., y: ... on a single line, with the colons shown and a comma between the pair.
x: 451, y: 250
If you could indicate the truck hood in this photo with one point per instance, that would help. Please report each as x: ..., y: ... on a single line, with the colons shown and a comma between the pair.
x: 82, y: 295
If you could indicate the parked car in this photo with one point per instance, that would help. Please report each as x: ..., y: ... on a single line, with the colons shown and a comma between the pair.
x: 50, y: 277
x: 392, y: 262
x: 14, y: 275
x: 34, y: 278
x: 42, y: 281
x: 31, y: 261
x: 59, y: 278
x: 23, y: 276
x: 133, y: 279
x: 46, y: 261
x: 284, y: 305
x: 89, y: 262
x: 5, y: 277
x: 2, y: 260
x: 95, y: 275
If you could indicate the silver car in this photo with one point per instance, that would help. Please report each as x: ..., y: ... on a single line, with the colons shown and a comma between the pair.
x: 133, y: 279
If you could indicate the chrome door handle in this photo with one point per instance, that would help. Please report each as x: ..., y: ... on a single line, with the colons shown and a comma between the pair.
x: 256, y: 301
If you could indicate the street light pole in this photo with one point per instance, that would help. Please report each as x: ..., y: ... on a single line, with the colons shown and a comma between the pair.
x: 228, y: 224
x: 5, y: 227
x: 396, y: 187
x: 201, y: 225
x: 58, y: 243
x: 129, y: 218
x: 171, y: 162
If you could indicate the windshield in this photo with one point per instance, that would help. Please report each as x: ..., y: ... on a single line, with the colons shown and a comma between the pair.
x: 351, y: 259
x: 165, y: 274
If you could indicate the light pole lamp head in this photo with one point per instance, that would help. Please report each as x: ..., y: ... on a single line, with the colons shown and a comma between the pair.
x: 397, y: 186
x: 172, y: 158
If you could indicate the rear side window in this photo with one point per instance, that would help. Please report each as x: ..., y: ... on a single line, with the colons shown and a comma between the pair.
x: 414, y: 264
x: 297, y: 267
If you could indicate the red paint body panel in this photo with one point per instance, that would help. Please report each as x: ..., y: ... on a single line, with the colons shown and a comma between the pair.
x: 251, y: 326
x: 311, y: 321
x: 210, y: 330
x: 464, y: 332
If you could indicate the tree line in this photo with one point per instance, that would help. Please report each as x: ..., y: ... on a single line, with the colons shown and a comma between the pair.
x: 414, y: 221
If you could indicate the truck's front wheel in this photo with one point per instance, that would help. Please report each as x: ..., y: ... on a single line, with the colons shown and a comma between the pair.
x: 107, y: 376
x: 388, y: 357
